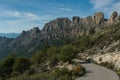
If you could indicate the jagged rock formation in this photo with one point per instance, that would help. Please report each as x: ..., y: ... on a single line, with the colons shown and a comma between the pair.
x: 114, y: 18
x: 55, y: 31
x: 98, y: 18
x: 76, y: 19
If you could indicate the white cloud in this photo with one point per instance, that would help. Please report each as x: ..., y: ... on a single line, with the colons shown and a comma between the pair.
x: 66, y: 9
x: 23, y: 15
x: 16, y: 21
x: 13, y: 14
x: 30, y: 15
x: 107, y: 6
x: 56, y: 4
x: 101, y: 3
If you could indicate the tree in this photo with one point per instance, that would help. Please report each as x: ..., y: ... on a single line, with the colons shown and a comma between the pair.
x: 67, y: 53
x: 39, y: 57
x: 83, y: 43
x: 6, y: 68
x: 52, y: 51
x: 21, y: 64
x: 63, y: 58
x: 68, y: 50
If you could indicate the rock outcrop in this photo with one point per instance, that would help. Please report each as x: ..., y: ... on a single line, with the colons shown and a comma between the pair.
x: 55, y: 31
x: 114, y: 18
x: 113, y: 58
x: 86, y: 21
x: 76, y: 20
x: 98, y: 18
x: 57, y: 23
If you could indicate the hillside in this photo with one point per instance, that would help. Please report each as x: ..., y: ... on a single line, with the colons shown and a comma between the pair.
x: 50, y: 53
x: 102, y: 33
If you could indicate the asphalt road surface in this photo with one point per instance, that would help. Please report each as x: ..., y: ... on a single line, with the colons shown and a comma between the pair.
x: 95, y: 72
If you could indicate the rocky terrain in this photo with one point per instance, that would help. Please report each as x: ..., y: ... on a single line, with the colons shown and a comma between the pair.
x: 49, y: 53
x: 55, y: 31
x: 113, y: 58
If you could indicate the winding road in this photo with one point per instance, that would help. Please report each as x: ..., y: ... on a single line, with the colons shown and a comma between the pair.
x: 95, y: 72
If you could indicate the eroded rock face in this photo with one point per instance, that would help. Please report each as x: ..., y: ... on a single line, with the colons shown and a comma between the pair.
x: 76, y: 19
x: 87, y: 20
x: 95, y: 20
x: 57, y: 29
x: 57, y: 23
x: 114, y: 18
x: 98, y: 18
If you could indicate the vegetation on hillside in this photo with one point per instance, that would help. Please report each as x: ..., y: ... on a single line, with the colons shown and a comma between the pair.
x: 43, y: 65
x: 45, y: 61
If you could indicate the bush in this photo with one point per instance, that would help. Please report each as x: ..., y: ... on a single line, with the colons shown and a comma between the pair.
x: 83, y: 43
x: 52, y: 51
x: 68, y: 50
x: 54, y: 61
x: 78, y: 71
x: 62, y: 74
x: 21, y: 64
x: 63, y: 58
x: 38, y: 57
x: 6, y: 68
x: 67, y: 53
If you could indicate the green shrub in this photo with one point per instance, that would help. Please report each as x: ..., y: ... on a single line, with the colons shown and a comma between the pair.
x: 6, y: 68
x: 63, y: 58
x: 21, y: 64
x: 52, y: 51
x: 38, y: 57
x: 67, y: 53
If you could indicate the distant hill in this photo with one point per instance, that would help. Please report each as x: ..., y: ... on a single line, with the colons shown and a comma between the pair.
x: 9, y: 35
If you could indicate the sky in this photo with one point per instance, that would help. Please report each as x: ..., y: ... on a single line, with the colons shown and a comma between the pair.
x: 19, y: 15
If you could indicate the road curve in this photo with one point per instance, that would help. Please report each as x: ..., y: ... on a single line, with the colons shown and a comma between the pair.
x: 95, y: 72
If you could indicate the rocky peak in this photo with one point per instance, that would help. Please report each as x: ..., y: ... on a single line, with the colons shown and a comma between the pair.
x: 57, y: 23
x: 87, y: 20
x: 114, y: 18
x: 35, y: 30
x: 98, y: 18
x: 76, y: 19
x: 30, y: 34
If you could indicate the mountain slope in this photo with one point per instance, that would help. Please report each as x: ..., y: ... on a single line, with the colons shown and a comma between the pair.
x: 56, y: 31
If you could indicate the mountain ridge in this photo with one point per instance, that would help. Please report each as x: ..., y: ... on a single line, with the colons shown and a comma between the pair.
x: 55, y: 31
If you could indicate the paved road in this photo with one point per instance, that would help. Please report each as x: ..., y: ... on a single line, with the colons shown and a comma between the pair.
x: 95, y: 72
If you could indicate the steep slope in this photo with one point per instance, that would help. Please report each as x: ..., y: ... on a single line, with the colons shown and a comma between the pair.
x: 4, y: 46
x: 55, y: 31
